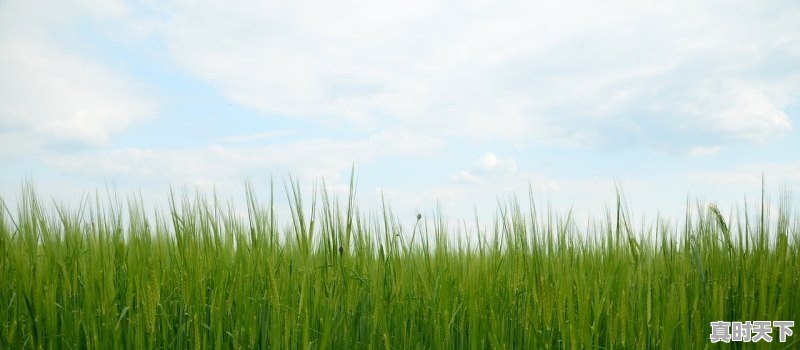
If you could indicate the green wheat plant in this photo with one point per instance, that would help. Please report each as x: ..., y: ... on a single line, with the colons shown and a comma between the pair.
x: 108, y: 274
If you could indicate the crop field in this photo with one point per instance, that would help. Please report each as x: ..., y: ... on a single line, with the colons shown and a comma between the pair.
x: 104, y: 274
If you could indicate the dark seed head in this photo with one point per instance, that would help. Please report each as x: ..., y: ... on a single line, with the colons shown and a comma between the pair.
x: 341, y: 250
x: 419, y: 216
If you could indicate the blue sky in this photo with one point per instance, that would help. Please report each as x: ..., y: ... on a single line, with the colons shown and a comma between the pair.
x: 449, y: 102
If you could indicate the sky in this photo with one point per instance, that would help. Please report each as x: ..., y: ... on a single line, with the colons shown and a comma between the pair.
x: 438, y: 104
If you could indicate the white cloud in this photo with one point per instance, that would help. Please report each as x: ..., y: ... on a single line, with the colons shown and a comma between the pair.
x: 576, y: 73
x: 50, y: 93
x: 487, y: 166
x: 737, y: 110
x: 307, y: 159
x: 703, y: 151
x: 467, y: 176
x: 57, y: 96
x: 490, y: 164
x: 749, y: 175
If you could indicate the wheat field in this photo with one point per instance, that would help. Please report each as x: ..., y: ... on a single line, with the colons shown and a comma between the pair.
x: 107, y: 276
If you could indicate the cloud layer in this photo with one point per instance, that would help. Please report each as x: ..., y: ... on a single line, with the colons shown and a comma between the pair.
x: 667, y: 75
x: 51, y: 93
x: 483, y: 98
